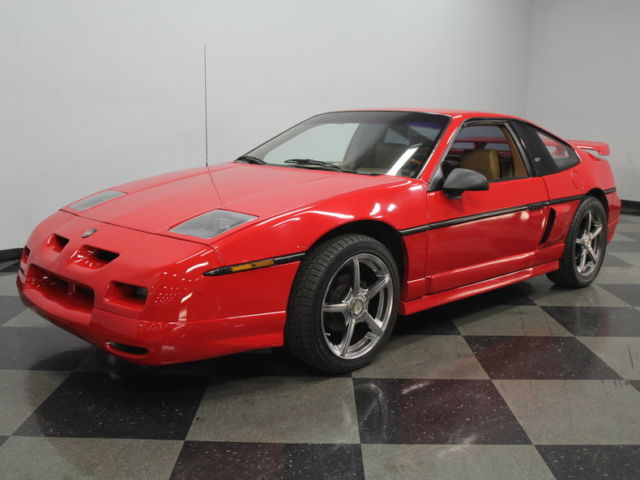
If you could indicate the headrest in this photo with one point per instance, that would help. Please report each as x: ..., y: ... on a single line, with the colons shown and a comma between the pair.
x: 486, y: 162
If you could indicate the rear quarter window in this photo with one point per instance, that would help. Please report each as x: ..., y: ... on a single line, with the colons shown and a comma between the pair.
x: 562, y: 154
x: 547, y: 154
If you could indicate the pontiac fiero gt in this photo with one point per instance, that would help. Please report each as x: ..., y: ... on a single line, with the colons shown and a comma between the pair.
x: 320, y: 237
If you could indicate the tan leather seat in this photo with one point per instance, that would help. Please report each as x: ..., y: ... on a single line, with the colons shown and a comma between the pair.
x: 519, y: 170
x: 486, y: 162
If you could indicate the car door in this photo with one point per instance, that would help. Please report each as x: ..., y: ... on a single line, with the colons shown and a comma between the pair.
x: 484, y: 234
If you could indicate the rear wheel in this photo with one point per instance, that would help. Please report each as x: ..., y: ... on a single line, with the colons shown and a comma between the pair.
x: 343, y: 304
x: 585, y: 246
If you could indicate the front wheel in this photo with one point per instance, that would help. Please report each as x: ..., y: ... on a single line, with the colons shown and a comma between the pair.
x: 343, y: 304
x: 585, y: 246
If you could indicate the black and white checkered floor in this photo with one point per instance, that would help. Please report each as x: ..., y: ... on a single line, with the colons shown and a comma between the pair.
x: 527, y: 382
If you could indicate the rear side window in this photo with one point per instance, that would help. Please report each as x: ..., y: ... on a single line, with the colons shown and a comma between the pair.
x: 547, y: 154
x: 562, y: 154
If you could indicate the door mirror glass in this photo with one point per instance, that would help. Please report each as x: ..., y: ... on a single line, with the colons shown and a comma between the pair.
x: 462, y: 179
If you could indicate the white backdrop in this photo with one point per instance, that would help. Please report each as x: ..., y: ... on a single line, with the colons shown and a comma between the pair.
x: 584, y: 78
x: 95, y: 93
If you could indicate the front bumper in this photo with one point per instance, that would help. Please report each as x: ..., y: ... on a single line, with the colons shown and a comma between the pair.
x: 185, y: 316
x: 161, y: 343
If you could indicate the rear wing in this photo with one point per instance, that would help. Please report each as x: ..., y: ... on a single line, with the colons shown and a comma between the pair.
x: 600, y: 147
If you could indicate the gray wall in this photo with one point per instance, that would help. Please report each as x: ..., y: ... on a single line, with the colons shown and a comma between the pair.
x: 584, y: 77
x: 95, y: 93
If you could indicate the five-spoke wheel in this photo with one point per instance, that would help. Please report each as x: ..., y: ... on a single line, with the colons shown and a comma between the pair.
x: 588, y: 244
x: 357, y: 306
x: 585, y: 246
x: 343, y: 304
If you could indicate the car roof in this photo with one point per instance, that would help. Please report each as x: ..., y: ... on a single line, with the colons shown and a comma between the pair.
x: 464, y: 114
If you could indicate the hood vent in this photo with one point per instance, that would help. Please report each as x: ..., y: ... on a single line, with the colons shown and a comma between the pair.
x: 93, y: 257
x: 57, y: 242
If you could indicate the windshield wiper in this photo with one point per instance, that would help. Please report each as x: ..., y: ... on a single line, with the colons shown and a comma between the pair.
x: 315, y: 163
x: 250, y: 159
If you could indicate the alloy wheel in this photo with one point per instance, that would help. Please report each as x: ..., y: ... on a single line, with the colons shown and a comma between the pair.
x: 357, y: 306
x: 588, y: 245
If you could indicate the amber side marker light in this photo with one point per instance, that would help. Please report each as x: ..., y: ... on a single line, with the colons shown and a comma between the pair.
x: 252, y: 265
x: 243, y: 267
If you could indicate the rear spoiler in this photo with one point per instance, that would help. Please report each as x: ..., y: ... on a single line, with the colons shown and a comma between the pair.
x: 600, y: 147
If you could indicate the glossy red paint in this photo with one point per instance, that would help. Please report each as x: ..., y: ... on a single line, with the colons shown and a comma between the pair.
x: 185, y: 315
x: 474, y: 251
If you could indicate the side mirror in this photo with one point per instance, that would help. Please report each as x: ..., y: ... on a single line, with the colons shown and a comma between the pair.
x: 462, y: 179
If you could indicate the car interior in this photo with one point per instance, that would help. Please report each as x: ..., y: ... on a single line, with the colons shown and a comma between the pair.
x: 486, y: 149
x: 386, y: 147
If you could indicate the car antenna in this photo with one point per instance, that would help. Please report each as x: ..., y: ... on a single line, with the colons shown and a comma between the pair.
x: 206, y: 128
x: 206, y: 116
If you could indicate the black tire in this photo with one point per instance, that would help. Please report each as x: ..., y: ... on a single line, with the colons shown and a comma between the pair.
x: 569, y: 274
x: 310, y: 329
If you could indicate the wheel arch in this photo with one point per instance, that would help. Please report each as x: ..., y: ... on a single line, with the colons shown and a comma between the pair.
x: 600, y: 195
x: 381, y: 231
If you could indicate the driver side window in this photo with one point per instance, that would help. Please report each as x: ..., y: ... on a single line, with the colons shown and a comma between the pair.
x: 487, y: 149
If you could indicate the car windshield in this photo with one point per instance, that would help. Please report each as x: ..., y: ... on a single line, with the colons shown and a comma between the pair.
x: 368, y: 143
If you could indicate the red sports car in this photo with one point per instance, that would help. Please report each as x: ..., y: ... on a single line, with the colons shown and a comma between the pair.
x: 319, y: 237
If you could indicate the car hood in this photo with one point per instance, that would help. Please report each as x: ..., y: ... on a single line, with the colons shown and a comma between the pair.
x: 157, y: 204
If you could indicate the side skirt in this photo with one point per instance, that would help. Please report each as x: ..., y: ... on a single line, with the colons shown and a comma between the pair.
x: 440, y: 298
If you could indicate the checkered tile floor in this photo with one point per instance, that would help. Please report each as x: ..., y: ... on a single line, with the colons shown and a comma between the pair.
x: 527, y: 382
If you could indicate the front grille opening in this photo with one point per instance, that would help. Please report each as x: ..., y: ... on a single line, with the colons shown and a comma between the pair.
x: 130, y: 349
x: 57, y: 242
x: 72, y: 295
x: 93, y: 257
x: 129, y: 294
x: 24, y: 257
x: 25, y: 254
